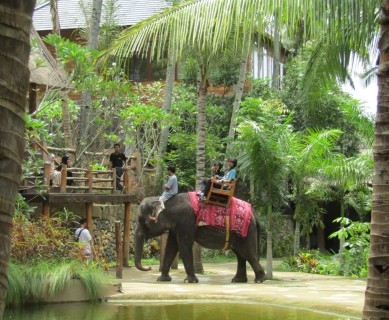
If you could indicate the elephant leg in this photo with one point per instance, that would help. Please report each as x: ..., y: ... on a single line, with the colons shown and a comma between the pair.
x: 185, y: 243
x: 241, y: 272
x: 260, y: 275
x: 170, y: 253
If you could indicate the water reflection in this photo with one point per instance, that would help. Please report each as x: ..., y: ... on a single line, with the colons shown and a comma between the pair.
x: 166, y: 310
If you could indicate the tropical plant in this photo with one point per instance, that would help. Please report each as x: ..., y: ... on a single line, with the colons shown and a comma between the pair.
x: 356, y: 246
x: 339, y: 176
x: 305, y: 157
x: 262, y: 156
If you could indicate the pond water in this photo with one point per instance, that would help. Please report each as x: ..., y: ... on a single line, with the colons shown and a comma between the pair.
x: 165, y: 310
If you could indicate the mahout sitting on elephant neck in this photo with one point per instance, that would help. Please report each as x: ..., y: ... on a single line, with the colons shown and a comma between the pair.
x: 180, y: 220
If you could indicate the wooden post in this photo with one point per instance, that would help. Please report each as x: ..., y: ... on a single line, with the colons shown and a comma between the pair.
x: 89, y: 222
x: 113, y: 180
x: 136, y: 162
x: 46, y: 176
x: 126, y: 233
x: 119, y: 251
x: 46, y: 209
x: 126, y: 180
x: 89, y: 175
x: 64, y: 174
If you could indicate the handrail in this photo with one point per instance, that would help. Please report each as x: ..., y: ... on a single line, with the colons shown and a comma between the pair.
x: 87, y: 180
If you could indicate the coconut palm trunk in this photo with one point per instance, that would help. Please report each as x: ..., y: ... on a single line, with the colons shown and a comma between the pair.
x: 66, y: 124
x: 167, y: 103
x: 297, y: 231
x: 201, y: 122
x: 93, y: 43
x: 377, y: 290
x: 15, y: 26
x: 269, y: 243
x: 238, y: 92
x: 277, y: 53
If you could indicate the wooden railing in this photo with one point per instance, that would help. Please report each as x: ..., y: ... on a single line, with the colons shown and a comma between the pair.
x: 84, y: 181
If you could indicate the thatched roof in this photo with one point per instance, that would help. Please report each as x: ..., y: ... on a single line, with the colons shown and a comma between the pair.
x: 44, y: 69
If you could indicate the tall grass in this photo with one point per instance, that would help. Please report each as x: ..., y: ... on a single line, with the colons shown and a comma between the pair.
x: 34, y: 283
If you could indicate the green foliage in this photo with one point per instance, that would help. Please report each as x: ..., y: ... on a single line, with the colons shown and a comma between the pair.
x: 43, y: 239
x: 355, y: 256
x: 225, y: 71
x: 357, y: 244
x: 304, y: 262
x: 34, y: 282
x: 189, y: 71
x: 183, y: 139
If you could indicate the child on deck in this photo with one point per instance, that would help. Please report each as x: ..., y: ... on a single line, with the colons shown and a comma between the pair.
x: 171, y: 189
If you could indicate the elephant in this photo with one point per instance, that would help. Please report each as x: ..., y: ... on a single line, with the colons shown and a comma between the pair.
x: 179, y: 219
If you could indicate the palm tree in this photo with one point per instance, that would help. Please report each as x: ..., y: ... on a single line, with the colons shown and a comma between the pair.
x: 306, y: 155
x: 263, y: 158
x: 341, y: 175
x: 15, y: 27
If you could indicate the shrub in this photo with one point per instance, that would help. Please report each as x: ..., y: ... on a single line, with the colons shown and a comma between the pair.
x: 304, y: 262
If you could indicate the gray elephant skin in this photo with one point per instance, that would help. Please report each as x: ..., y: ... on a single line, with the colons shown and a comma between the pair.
x: 180, y: 220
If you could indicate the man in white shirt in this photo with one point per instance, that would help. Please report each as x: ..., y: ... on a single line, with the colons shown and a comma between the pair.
x: 171, y: 189
x: 83, y: 236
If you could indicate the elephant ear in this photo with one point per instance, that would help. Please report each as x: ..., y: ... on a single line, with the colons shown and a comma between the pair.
x: 158, y: 208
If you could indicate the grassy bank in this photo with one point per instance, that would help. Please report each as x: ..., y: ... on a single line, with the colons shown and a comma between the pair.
x: 33, y: 283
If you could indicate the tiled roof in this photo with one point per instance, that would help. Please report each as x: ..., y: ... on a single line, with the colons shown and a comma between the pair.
x: 71, y: 15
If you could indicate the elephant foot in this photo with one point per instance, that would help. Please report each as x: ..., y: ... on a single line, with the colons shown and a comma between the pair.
x: 165, y: 277
x: 261, y: 278
x: 191, y: 279
x: 237, y: 279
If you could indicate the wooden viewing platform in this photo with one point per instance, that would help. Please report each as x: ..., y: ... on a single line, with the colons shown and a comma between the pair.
x: 89, y: 187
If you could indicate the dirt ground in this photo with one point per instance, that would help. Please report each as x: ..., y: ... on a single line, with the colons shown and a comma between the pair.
x: 336, y: 295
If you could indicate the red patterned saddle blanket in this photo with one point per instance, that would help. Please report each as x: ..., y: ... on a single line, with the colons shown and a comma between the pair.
x: 239, y: 211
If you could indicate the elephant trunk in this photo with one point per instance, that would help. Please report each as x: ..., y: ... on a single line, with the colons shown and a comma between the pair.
x: 139, y: 242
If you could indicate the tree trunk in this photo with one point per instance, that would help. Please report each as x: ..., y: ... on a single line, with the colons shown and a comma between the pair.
x: 377, y: 290
x: 201, y: 133
x: 308, y: 241
x: 276, y: 57
x: 86, y: 96
x: 167, y: 103
x: 239, y: 87
x: 66, y: 124
x: 55, y: 17
x: 260, y: 60
x: 296, y: 247
x: 15, y: 26
x: 269, y: 243
x: 342, y: 239
x: 93, y: 37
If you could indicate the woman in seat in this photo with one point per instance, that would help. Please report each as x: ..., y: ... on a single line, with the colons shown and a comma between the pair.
x: 229, y: 176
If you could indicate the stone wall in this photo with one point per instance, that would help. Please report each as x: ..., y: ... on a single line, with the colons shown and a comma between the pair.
x: 103, y: 217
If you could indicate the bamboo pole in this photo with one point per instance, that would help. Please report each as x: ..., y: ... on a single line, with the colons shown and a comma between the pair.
x: 126, y: 233
x: 119, y: 251
x: 64, y: 175
x: 88, y: 207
